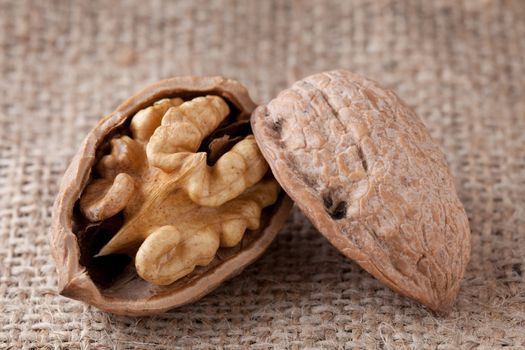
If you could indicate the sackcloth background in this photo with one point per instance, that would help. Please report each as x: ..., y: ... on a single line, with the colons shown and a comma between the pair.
x: 460, y: 64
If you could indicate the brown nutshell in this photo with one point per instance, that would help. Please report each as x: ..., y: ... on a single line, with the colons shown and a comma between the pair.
x: 364, y: 169
x: 167, y: 197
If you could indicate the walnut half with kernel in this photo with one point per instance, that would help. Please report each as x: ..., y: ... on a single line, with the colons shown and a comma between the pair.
x: 168, y: 196
x: 171, y: 194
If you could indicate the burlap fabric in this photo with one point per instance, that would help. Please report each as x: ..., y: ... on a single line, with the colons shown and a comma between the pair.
x: 461, y: 65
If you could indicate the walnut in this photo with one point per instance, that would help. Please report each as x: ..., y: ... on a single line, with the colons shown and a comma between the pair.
x: 364, y: 169
x: 178, y: 209
x: 170, y: 194
x: 179, y: 199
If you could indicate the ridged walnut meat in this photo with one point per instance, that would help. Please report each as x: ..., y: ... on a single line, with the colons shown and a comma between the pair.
x: 168, y: 196
x: 363, y: 168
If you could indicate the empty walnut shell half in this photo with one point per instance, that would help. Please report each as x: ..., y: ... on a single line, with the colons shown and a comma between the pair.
x: 363, y: 168
x: 167, y: 197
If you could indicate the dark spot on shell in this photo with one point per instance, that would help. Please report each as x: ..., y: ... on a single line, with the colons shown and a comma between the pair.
x: 336, y: 213
x: 517, y: 269
x: 339, y: 212
x: 327, y: 201
x: 277, y: 127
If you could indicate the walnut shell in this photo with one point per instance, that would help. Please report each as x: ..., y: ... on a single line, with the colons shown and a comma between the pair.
x: 111, y: 283
x: 363, y: 168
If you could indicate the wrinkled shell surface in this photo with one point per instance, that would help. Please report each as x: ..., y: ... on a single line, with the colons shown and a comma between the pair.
x: 129, y: 294
x: 363, y: 168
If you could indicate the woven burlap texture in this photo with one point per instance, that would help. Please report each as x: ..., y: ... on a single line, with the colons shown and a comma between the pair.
x: 460, y: 64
